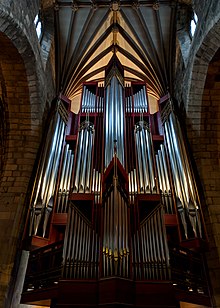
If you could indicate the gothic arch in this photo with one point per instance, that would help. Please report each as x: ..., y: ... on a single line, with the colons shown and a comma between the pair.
x: 203, y: 117
x: 23, y: 113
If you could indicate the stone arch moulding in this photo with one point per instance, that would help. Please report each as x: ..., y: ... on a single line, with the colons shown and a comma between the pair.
x: 30, y: 55
x: 24, y: 117
x: 202, y: 58
x: 203, y: 133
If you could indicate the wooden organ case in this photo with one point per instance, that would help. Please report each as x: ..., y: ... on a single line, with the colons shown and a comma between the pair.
x: 115, y: 217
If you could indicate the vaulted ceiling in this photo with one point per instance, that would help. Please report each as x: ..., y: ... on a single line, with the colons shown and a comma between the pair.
x: 140, y: 33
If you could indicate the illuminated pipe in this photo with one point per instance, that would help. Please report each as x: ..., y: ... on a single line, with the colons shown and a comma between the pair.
x: 166, y: 174
x: 137, y: 107
x: 107, y: 128
x: 89, y: 110
x: 142, y: 101
x: 78, y: 162
x: 179, y: 158
x: 140, y: 171
x: 89, y: 158
x: 90, y: 102
x: 61, y: 186
x: 65, y: 181
x: 191, y: 202
x: 68, y: 183
x: 84, y: 161
x: 93, y: 180
x: 93, y: 97
x: 54, y: 171
x: 145, y: 98
x: 181, y: 198
x: 102, y: 104
x: 163, y: 178
x: 166, y: 180
x: 83, y: 98
x: 139, y: 101
x: 150, y: 160
x: 43, y: 165
x: 144, y: 150
x: 161, y: 187
x: 173, y: 163
x: 122, y: 124
x: 49, y: 165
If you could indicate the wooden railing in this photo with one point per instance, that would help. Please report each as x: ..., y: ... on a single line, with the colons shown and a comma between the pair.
x: 188, y: 270
x: 185, y: 267
x: 44, y: 267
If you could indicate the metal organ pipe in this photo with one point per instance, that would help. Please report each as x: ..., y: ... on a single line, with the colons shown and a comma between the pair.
x: 143, y: 179
x: 146, y: 171
x: 114, y: 118
x: 164, y: 180
x: 184, y: 184
x: 115, y: 232
x: 151, y: 239
x: 80, y: 247
x: 88, y: 104
x: 83, y: 181
x: 43, y: 192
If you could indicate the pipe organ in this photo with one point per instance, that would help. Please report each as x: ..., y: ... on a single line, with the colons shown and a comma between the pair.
x: 116, y: 185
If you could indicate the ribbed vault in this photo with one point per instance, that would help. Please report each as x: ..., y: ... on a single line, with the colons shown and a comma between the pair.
x: 140, y: 33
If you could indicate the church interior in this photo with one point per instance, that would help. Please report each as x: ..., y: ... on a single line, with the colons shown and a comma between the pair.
x: 109, y: 153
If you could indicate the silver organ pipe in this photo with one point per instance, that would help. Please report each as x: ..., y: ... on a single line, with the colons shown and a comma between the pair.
x: 153, y: 263
x: 186, y: 196
x: 140, y: 101
x: 114, y: 117
x: 164, y: 181
x: 43, y: 192
x: 88, y: 101
x: 145, y: 164
x: 80, y: 247
x: 115, y: 232
x: 141, y: 179
x: 64, y: 186
x: 83, y: 174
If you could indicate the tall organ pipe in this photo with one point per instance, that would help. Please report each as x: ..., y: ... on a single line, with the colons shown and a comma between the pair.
x: 80, y: 254
x: 185, y: 187
x: 114, y: 117
x: 44, y: 188
x: 151, y: 239
x: 82, y: 182
x: 144, y: 158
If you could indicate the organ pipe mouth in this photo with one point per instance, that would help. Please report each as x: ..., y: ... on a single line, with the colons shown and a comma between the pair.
x: 87, y: 125
x: 141, y: 125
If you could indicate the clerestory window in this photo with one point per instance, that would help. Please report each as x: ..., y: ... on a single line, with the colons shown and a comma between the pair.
x: 38, y: 26
x: 193, y: 24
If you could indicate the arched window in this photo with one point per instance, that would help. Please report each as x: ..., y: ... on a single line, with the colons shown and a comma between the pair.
x: 38, y: 25
x: 193, y: 24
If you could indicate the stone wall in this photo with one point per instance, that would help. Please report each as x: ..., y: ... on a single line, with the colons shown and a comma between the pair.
x: 197, y: 90
x: 27, y: 87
